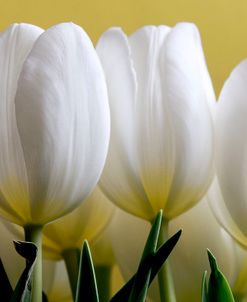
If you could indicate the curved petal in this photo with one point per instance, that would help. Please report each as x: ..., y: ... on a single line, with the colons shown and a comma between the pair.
x: 120, y: 180
x: 189, y: 93
x: 63, y: 119
x: 222, y: 214
x: 15, y: 44
x: 231, y: 156
x: 155, y: 134
x: 84, y: 223
x: 101, y: 249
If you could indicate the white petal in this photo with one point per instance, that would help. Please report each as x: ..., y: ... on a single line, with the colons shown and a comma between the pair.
x: 63, y: 120
x: 15, y: 44
x: 155, y: 134
x: 187, y: 90
x: 231, y: 157
x: 222, y: 214
x: 120, y: 180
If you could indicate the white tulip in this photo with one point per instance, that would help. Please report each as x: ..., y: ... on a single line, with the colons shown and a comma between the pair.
x: 229, y: 192
x: 54, y: 121
x: 162, y: 102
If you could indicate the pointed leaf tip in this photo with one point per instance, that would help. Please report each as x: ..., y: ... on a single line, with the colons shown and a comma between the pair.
x: 218, y: 287
x: 86, y: 283
x: 212, y: 261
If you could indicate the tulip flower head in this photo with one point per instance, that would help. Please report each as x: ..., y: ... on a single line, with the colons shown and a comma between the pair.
x: 228, y: 194
x: 54, y: 121
x: 161, y: 102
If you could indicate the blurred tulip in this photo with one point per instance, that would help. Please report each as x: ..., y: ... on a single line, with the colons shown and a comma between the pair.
x: 64, y: 237
x: 56, y: 283
x: 162, y: 102
x: 54, y: 121
x: 189, y: 258
x: 229, y: 198
x: 84, y: 223
x: 91, y: 221
x: 102, y: 252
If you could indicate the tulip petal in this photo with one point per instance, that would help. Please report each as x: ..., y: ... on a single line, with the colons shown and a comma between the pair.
x: 15, y: 44
x: 231, y: 156
x: 63, y: 120
x: 222, y: 214
x: 155, y: 133
x: 120, y: 180
x: 189, y: 93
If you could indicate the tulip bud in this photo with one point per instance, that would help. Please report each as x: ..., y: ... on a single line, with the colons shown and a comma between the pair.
x: 54, y: 121
x: 161, y: 102
x: 229, y: 199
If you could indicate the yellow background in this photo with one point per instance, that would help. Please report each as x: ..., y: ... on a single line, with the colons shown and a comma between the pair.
x: 222, y: 23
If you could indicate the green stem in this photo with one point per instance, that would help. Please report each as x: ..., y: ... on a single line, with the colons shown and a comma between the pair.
x: 103, y: 276
x: 33, y: 233
x: 166, y: 285
x: 72, y: 259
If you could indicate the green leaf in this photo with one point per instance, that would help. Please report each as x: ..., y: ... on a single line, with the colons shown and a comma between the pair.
x: 142, y: 277
x: 218, y: 287
x: 86, y: 284
x: 6, y: 290
x: 204, y: 296
x: 159, y: 258
x: 163, y: 252
x: 22, y: 291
